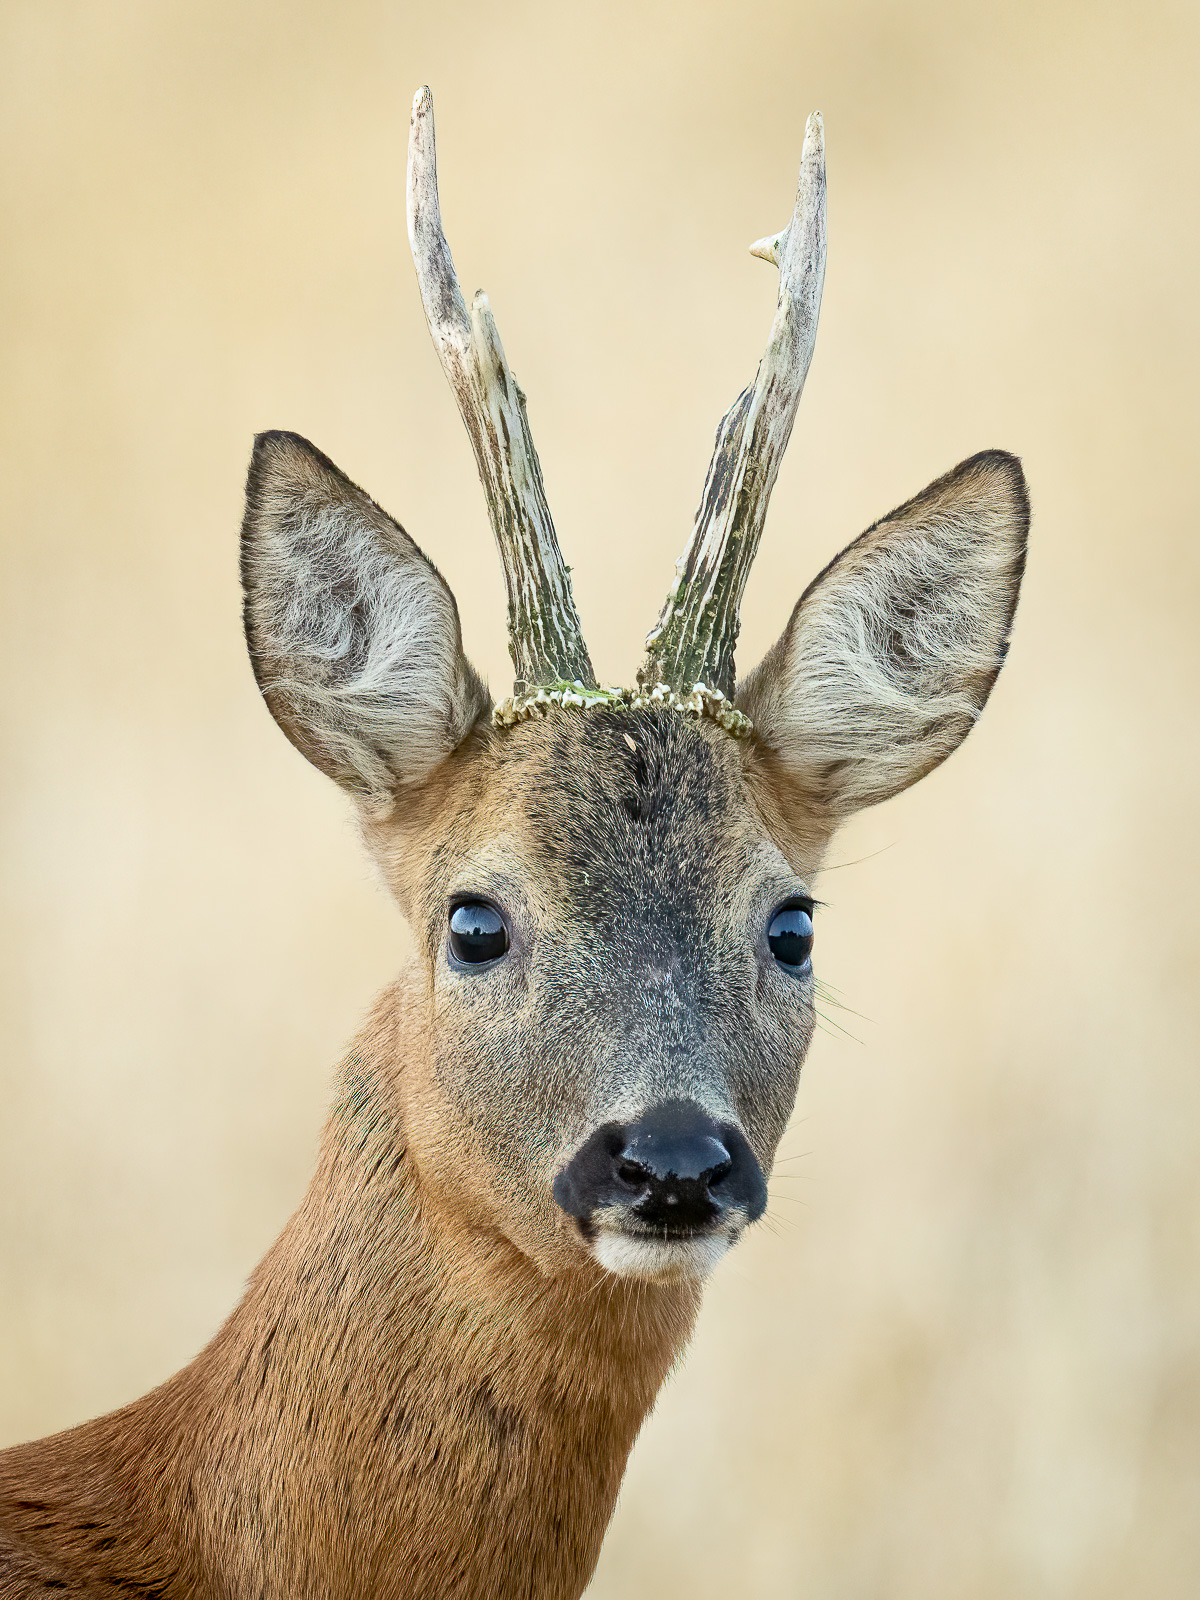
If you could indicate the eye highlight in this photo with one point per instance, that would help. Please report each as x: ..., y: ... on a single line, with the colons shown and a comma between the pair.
x: 478, y: 933
x: 790, y: 935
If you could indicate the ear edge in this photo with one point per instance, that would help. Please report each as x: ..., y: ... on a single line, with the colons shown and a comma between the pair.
x: 276, y: 449
x: 998, y: 466
x: 273, y: 452
x: 1006, y: 465
x: 264, y: 455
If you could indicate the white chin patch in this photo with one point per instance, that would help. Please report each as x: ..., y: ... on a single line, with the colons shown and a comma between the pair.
x: 626, y: 1256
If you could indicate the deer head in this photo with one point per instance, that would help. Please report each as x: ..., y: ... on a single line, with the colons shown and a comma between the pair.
x: 610, y: 891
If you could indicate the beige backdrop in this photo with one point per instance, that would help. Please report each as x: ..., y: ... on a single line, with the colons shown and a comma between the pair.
x: 960, y: 1361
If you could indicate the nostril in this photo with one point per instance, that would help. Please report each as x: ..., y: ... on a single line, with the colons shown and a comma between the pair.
x: 673, y: 1166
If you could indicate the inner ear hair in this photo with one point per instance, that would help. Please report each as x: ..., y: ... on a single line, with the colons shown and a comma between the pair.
x: 353, y: 633
x: 892, y: 651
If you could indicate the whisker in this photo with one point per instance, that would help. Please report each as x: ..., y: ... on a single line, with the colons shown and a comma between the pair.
x: 781, y: 1225
x: 837, y: 867
x: 832, y: 997
x: 836, y: 1027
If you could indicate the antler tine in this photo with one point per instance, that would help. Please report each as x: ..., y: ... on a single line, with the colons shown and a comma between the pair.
x: 694, y: 638
x: 545, y: 638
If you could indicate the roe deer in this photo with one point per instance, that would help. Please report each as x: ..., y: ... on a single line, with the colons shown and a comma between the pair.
x: 563, y: 1111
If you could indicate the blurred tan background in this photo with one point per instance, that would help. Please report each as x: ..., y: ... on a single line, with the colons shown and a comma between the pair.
x: 961, y: 1361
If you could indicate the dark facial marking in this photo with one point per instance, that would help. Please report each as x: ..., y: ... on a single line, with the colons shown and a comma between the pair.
x: 633, y: 821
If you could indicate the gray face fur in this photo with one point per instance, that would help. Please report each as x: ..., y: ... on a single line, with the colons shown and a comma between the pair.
x: 638, y: 880
x: 637, y: 856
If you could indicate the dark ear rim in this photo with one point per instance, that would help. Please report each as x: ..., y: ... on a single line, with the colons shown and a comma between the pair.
x: 983, y: 463
x: 268, y: 448
x: 1009, y: 466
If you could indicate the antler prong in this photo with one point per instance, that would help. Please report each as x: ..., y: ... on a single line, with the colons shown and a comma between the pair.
x: 545, y: 639
x: 770, y: 248
x: 694, y: 638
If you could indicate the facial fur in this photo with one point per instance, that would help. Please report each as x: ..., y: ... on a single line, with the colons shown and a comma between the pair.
x: 611, y: 1088
x: 638, y: 876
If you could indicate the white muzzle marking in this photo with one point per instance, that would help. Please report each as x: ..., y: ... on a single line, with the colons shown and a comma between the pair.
x: 628, y: 1255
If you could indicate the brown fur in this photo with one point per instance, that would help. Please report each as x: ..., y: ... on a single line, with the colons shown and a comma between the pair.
x: 432, y: 1385
x: 427, y: 1390
x: 402, y: 1405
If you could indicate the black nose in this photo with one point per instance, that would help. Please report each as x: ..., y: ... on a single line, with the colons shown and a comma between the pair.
x: 674, y: 1168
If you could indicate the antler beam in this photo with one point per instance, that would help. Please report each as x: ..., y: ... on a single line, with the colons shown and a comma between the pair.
x: 694, y: 638
x: 545, y: 638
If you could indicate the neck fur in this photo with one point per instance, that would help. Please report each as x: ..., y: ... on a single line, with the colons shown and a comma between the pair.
x: 402, y: 1406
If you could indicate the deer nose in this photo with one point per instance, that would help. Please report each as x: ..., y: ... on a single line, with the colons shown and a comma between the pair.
x: 671, y: 1170
x: 674, y: 1168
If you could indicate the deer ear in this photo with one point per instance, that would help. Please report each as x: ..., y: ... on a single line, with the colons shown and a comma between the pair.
x: 353, y: 633
x: 892, y: 651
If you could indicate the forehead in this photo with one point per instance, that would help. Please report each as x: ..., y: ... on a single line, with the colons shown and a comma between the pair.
x: 636, y: 804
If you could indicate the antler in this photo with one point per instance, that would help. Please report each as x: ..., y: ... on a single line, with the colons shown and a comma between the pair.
x: 545, y: 639
x: 693, y: 641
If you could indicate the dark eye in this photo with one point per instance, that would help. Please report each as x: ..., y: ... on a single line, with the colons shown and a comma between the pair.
x: 477, y: 932
x: 791, y: 935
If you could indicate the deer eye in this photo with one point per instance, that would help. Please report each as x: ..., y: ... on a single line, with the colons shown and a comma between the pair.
x: 790, y: 935
x: 478, y: 932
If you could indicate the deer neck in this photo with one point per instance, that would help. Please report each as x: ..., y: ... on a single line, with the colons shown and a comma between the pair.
x: 402, y: 1406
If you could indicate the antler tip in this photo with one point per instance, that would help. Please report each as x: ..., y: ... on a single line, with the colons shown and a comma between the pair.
x: 693, y: 641
x: 422, y: 101
x: 769, y: 249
